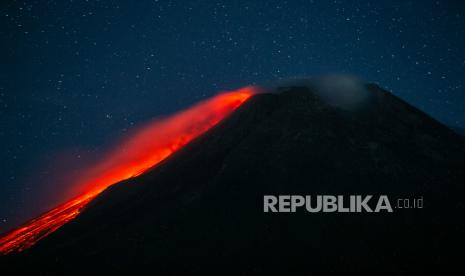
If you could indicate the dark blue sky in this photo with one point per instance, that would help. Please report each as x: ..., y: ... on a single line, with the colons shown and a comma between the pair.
x: 76, y: 74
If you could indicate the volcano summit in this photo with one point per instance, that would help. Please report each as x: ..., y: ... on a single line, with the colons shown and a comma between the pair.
x: 201, y: 209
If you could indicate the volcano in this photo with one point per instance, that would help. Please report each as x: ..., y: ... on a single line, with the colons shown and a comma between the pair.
x: 201, y: 209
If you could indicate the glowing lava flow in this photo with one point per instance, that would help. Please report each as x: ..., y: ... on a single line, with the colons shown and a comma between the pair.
x: 146, y: 148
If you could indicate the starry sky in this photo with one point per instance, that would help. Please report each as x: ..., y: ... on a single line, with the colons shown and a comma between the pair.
x: 76, y: 74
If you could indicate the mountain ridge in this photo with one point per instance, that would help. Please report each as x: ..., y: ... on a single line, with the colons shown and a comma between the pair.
x: 201, y: 209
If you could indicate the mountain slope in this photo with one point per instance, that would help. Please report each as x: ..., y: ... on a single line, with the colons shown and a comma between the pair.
x: 202, y: 209
x: 460, y: 131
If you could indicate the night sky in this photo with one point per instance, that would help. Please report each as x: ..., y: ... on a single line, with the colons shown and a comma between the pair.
x: 76, y: 74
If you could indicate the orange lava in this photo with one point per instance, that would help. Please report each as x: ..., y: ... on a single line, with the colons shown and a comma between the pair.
x: 143, y: 150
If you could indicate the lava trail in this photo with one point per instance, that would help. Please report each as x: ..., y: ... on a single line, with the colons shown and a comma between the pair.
x: 143, y: 150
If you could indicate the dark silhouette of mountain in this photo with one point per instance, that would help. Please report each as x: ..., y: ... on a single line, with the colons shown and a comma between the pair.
x: 201, y: 210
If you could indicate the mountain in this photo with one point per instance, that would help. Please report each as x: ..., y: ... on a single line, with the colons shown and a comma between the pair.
x: 460, y: 131
x: 202, y: 209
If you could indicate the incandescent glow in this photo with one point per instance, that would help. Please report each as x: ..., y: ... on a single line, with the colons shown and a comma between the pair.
x: 143, y: 150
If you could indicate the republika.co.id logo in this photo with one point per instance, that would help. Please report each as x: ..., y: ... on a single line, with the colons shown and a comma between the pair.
x: 340, y: 203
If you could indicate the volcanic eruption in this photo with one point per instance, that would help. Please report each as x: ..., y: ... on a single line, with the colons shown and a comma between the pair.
x: 147, y: 147
x: 201, y: 210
